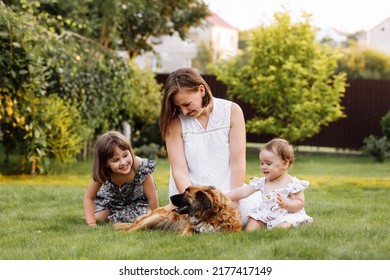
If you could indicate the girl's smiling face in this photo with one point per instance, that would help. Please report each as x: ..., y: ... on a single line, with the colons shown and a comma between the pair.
x: 121, y: 162
x: 271, y: 165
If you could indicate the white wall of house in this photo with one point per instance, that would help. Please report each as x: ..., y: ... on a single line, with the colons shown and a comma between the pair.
x: 379, y: 36
x: 174, y: 53
x: 225, y: 41
x: 171, y: 54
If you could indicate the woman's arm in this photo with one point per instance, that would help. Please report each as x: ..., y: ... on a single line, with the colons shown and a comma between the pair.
x: 175, y: 149
x: 237, y: 147
x: 88, y: 204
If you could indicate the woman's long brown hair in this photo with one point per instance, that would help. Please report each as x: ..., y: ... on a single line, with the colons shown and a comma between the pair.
x: 183, y: 78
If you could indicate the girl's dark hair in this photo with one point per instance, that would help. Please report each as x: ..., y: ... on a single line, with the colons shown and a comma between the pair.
x: 184, y: 78
x: 104, y: 150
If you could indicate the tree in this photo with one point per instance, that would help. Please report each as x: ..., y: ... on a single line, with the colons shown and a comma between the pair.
x: 131, y: 25
x: 243, y: 39
x: 143, y: 21
x: 364, y: 63
x: 99, y: 90
x: 25, y: 74
x: 204, y: 57
x: 288, y: 78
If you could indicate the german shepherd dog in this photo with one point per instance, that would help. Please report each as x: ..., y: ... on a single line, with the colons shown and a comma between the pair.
x: 199, y: 209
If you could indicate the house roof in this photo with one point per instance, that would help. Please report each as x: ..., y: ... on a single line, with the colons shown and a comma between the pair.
x: 216, y: 20
x: 331, y: 33
x: 379, y: 24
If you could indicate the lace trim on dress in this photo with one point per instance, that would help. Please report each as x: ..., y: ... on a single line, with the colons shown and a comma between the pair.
x: 297, y: 185
x: 206, y: 131
x: 219, y: 119
x: 294, y: 186
x: 257, y: 183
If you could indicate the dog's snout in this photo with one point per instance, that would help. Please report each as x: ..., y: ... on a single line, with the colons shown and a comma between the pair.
x: 177, y: 199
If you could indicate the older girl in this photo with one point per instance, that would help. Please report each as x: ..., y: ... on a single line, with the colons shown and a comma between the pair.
x: 122, y: 188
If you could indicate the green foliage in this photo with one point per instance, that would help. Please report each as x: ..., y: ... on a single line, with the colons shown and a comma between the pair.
x: 96, y: 81
x: 132, y: 25
x: 385, y: 125
x: 143, y: 20
x: 56, y: 130
x: 376, y: 147
x: 244, y: 38
x: 40, y: 59
x: 23, y: 84
x: 144, y: 97
x: 144, y: 107
x: 361, y: 63
x: 288, y: 78
x: 151, y: 151
x: 204, y: 57
x: 148, y: 151
x: 64, y: 127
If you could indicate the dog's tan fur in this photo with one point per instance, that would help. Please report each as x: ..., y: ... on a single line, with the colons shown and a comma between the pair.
x: 207, y: 210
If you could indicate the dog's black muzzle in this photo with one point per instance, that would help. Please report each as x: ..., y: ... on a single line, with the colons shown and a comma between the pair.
x: 181, y: 203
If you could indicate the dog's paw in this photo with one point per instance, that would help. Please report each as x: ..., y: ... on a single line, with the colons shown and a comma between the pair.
x: 204, y: 228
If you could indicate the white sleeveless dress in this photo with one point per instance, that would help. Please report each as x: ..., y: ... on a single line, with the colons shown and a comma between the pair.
x: 207, y: 153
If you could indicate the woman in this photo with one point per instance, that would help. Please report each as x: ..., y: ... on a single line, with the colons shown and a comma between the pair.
x: 205, y: 137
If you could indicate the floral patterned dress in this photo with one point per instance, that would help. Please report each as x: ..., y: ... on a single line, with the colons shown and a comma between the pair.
x: 128, y: 201
x: 269, y: 211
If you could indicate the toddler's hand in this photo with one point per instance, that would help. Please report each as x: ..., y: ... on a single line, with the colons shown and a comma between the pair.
x: 280, y: 200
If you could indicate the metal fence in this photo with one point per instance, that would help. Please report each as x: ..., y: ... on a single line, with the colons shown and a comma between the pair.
x: 365, y: 103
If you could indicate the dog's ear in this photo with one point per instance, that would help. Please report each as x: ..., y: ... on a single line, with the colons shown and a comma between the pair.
x: 203, y: 199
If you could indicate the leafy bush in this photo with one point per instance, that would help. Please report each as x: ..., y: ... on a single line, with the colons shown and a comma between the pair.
x: 376, y: 147
x: 148, y: 151
x: 56, y: 130
x: 385, y: 124
x: 93, y: 83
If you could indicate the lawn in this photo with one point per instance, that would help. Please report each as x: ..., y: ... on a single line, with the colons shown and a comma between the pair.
x: 348, y: 197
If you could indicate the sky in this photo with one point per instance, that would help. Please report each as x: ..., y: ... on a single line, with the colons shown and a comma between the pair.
x: 348, y: 16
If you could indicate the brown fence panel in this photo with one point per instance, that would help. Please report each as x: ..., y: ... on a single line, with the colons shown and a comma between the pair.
x: 365, y: 103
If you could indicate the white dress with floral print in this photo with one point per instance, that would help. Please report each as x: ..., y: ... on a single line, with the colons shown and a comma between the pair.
x: 270, y: 213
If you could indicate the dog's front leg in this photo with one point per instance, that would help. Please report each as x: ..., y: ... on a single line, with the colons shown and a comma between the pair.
x: 122, y: 226
x: 149, y: 221
x: 153, y: 220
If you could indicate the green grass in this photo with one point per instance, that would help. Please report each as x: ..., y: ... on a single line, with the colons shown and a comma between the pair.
x: 348, y: 197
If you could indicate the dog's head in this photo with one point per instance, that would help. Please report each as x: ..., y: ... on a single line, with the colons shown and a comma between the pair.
x: 195, y: 199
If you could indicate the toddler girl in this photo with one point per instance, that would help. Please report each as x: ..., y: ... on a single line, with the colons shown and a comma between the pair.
x: 282, y: 194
